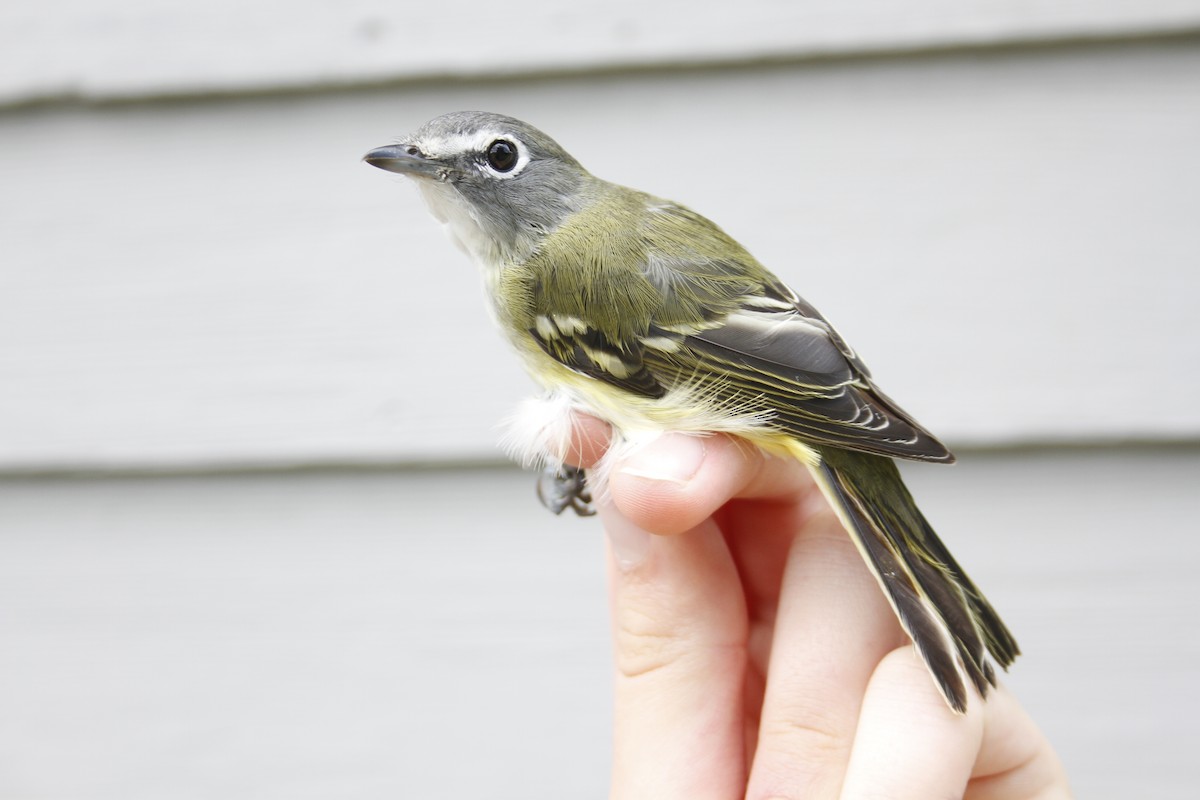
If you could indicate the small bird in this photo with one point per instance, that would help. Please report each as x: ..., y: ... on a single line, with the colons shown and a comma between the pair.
x: 643, y: 313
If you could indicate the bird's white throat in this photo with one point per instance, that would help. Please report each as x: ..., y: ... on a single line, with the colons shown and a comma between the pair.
x: 460, y: 222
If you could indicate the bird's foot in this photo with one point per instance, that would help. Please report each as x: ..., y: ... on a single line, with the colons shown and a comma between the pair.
x: 565, y: 487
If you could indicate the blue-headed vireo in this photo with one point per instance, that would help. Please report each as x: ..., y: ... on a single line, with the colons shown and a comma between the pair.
x: 643, y: 313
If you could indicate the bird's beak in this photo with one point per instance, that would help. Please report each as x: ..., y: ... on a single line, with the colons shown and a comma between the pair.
x: 407, y: 160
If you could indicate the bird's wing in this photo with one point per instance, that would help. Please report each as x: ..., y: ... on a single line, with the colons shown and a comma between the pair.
x: 710, y: 312
x: 775, y: 353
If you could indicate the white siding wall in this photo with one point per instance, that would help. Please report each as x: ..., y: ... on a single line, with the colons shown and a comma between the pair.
x: 203, y: 276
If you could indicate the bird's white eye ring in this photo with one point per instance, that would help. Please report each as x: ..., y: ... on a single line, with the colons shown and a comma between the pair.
x: 502, y: 155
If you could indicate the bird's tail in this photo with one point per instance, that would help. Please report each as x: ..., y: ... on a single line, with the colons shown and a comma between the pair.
x: 950, y: 621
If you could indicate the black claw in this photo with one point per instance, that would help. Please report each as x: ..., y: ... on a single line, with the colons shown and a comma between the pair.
x: 563, y: 488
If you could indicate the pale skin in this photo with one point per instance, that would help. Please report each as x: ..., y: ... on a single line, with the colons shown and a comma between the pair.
x: 756, y: 656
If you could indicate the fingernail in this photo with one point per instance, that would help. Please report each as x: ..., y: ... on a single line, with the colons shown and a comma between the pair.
x: 674, y: 457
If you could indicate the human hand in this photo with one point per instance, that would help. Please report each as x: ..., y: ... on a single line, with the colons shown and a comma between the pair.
x: 756, y: 655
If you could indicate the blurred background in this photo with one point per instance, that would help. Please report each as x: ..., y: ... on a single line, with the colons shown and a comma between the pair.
x: 256, y: 538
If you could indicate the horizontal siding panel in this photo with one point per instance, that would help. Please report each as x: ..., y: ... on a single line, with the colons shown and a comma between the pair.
x: 138, y: 48
x: 1010, y: 239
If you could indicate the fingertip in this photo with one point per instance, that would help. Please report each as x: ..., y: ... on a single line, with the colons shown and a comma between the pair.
x: 1016, y: 759
x: 672, y: 484
x: 588, y: 442
x: 909, y: 744
x: 903, y: 686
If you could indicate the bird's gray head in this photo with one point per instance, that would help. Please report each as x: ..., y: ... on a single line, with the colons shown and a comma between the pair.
x: 499, y: 184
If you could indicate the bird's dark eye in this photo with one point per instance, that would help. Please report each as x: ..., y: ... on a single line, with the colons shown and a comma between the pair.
x: 502, y: 155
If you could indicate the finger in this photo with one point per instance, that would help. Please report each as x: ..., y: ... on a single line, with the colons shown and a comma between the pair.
x: 587, y: 441
x: 832, y: 629
x: 909, y: 743
x: 679, y: 636
x: 1015, y: 760
x: 672, y: 483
